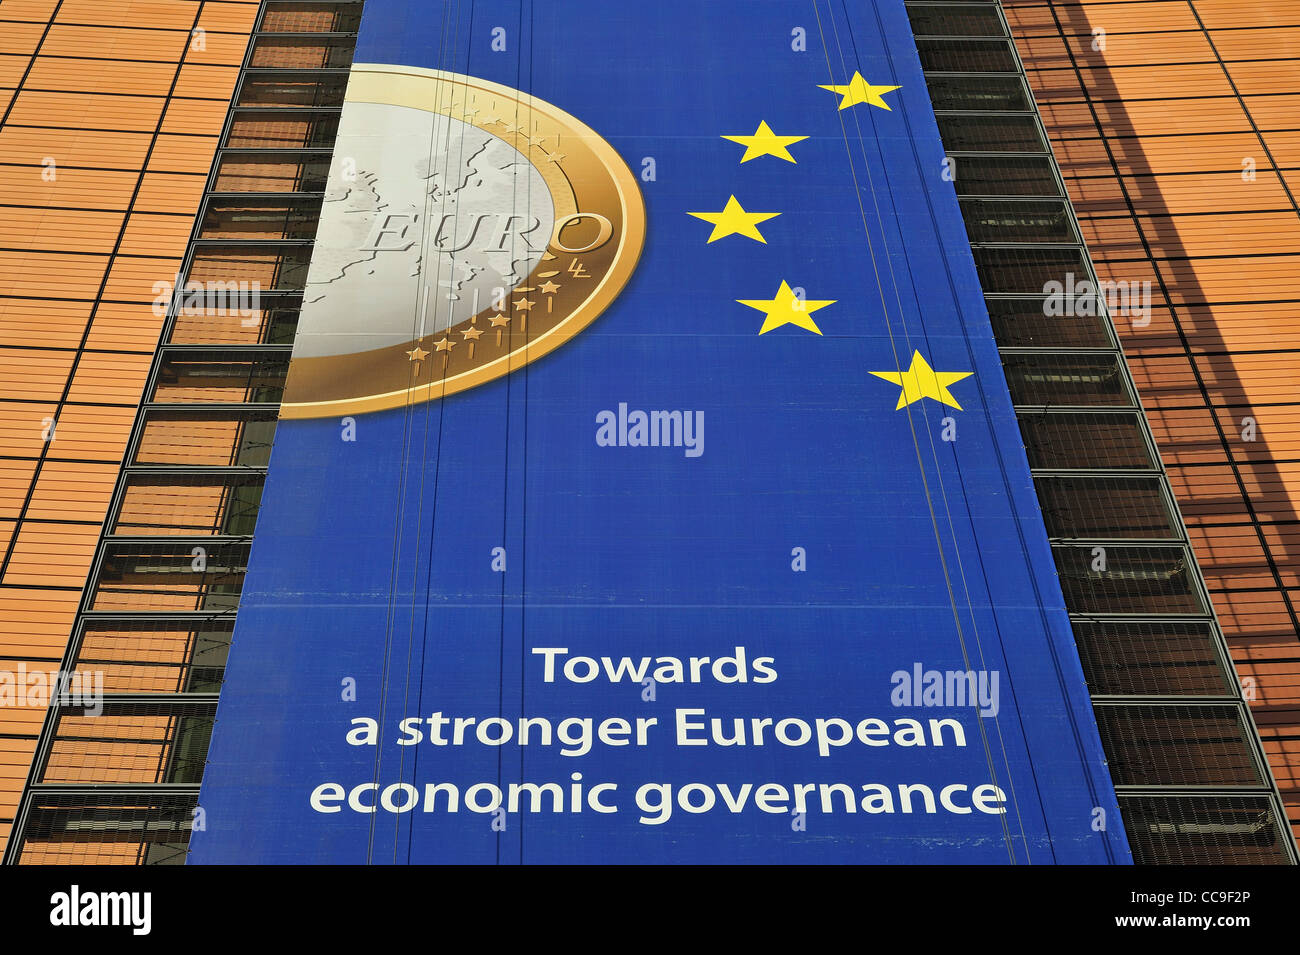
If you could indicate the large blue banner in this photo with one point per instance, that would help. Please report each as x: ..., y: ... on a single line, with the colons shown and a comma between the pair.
x: 647, y: 487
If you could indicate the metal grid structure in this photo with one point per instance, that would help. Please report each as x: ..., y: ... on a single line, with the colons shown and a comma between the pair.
x: 1174, y: 123
x: 1193, y: 783
x: 158, y: 608
x: 157, y: 612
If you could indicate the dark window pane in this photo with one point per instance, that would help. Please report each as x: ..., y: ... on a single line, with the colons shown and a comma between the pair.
x: 967, y: 56
x: 990, y: 133
x: 1151, y: 658
x: 1017, y: 220
x: 274, y: 172
x: 1045, y: 379
x: 1203, y: 830
x: 244, y: 272
x: 209, y: 321
x: 1083, y: 440
x: 1004, y: 176
x: 1039, y: 272
x: 147, y: 743
x: 301, y: 53
x: 107, y: 829
x: 1176, y: 745
x: 259, y: 130
x: 156, y: 656
x: 271, y: 218
x: 1099, y: 507
x: 155, y: 505
x: 986, y: 93
x: 242, y: 377
x: 1127, y: 580
x: 206, y: 439
x: 269, y: 90
x: 1025, y: 323
x: 965, y: 19
x: 300, y: 16
x: 170, y: 576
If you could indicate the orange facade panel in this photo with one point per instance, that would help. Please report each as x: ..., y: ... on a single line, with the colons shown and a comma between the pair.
x: 116, y: 112
x: 1177, y: 137
x: 1233, y: 14
x: 1272, y: 42
x: 163, y: 14
x: 76, y: 75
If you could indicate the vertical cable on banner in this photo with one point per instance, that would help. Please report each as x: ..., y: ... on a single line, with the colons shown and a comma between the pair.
x: 934, y: 451
x: 432, y: 282
x: 523, y: 514
x: 398, y: 525
x: 505, y: 481
x: 437, y: 473
x: 405, y: 462
x: 943, y: 561
x: 934, y: 455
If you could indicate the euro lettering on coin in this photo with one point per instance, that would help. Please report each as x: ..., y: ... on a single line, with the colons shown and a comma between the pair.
x: 467, y: 230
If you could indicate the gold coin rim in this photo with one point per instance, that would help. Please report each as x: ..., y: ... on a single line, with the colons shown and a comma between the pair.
x: 631, y: 243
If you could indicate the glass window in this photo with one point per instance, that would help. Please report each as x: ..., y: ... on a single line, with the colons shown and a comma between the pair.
x: 1151, y: 658
x: 107, y: 829
x: 1203, y: 830
x: 276, y: 91
x: 1017, y: 220
x: 965, y: 19
x: 155, y: 656
x: 1127, y: 580
x: 1099, y: 507
x: 141, y: 743
x: 263, y: 219
x: 178, y: 505
x: 253, y: 129
x: 976, y: 92
x: 300, y: 16
x: 206, y: 438
x: 170, y: 576
x: 967, y: 56
x: 1026, y: 323
x: 1176, y: 745
x: 1062, y: 440
x: 234, y: 376
x: 242, y: 273
x: 1040, y: 272
x: 990, y: 132
x: 1047, y: 379
x: 1004, y: 176
x: 301, y: 53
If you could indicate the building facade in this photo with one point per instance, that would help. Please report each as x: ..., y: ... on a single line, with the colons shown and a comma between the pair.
x: 145, y: 387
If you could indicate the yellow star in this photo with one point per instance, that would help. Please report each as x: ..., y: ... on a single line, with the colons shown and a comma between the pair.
x: 549, y: 288
x: 417, y: 354
x: 524, y: 305
x: 498, y: 320
x: 445, y: 345
x: 786, y: 309
x: 860, y: 91
x: 764, y: 142
x: 472, y: 333
x: 922, y: 381
x: 733, y: 220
